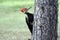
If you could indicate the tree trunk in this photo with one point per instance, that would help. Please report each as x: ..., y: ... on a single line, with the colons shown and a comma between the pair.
x: 45, y: 20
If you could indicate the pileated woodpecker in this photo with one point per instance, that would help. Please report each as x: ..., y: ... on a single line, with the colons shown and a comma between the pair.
x: 29, y: 18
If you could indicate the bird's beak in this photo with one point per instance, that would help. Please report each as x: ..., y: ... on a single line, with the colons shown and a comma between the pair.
x: 28, y: 9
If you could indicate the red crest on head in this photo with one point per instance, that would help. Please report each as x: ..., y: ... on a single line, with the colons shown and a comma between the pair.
x: 23, y: 9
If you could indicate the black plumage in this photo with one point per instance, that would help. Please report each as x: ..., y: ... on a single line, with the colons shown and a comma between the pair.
x: 29, y: 21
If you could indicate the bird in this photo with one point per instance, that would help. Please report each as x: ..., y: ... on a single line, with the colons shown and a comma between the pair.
x: 29, y: 18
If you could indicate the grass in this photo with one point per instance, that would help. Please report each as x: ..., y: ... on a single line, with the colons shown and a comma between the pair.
x: 12, y: 21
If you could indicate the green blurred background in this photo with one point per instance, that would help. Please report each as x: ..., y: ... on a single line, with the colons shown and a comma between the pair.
x: 12, y: 21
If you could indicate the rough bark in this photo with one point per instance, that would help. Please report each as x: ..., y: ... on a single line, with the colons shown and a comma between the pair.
x: 45, y: 20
